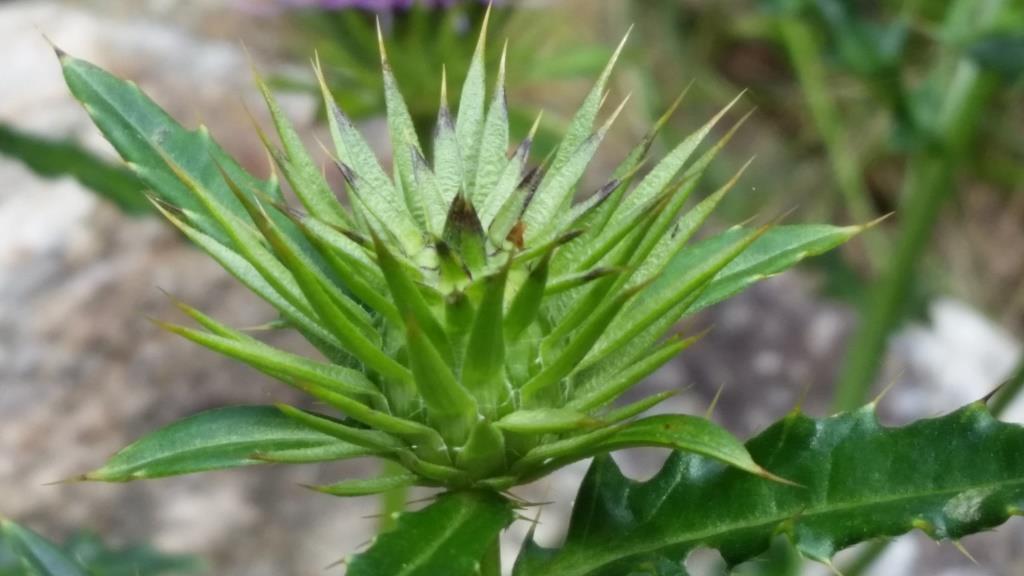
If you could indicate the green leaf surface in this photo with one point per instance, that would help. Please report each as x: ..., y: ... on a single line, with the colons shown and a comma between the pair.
x: 448, y: 537
x: 219, y: 439
x: 949, y: 476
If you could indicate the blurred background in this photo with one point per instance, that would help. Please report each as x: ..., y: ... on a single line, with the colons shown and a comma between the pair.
x: 864, y: 108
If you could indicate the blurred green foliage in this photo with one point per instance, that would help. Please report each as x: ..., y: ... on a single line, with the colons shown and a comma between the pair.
x: 421, y: 40
x: 25, y: 553
x: 59, y: 158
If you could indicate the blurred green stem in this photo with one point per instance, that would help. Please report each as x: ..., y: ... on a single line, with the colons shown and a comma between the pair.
x: 928, y: 182
x: 804, y: 53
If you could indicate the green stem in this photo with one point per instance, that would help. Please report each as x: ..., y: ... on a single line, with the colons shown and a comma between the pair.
x: 804, y: 52
x: 490, y: 564
x: 393, y: 501
x: 927, y: 185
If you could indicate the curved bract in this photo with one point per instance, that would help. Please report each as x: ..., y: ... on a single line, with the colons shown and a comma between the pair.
x: 477, y: 323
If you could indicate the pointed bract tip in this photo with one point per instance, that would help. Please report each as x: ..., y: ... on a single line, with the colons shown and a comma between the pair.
x: 664, y: 118
x: 61, y: 54
x: 714, y: 402
x: 960, y: 548
x: 987, y: 398
x: 444, y: 86
x: 482, y: 40
x: 70, y: 480
x: 779, y: 479
x: 877, y: 221
x: 618, y: 110
x: 832, y: 567
x: 536, y: 124
x: 380, y: 44
x: 339, y: 562
x: 888, y: 387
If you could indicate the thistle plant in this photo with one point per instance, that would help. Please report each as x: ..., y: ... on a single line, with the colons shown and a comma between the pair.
x: 476, y: 326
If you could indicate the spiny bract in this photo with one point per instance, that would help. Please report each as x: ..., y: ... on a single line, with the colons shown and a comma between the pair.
x: 477, y: 323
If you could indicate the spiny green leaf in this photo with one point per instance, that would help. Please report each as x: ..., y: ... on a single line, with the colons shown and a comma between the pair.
x: 493, y: 140
x: 409, y: 300
x: 371, y: 186
x: 510, y: 179
x: 545, y: 421
x: 583, y: 121
x: 578, y: 346
x: 949, y: 477
x: 663, y: 173
x: 448, y: 537
x: 137, y: 128
x: 452, y: 408
x: 555, y: 191
x: 447, y: 155
x: 420, y: 434
x: 675, y: 431
x: 670, y: 244
x: 344, y: 318
x: 290, y: 368
x: 304, y: 175
x: 603, y: 391
x: 632, y: 409
x: 779, y: 249
x: 365, y: 487
x: 403, y: 136
x: 375, y: 440
x: 483, y: 371
x: 669, y: 290
x: 571, y: 281
x: 435, y: 207
x: 528, y: 299
x: 241, y: 269
x: 469, y: 124
x: 219, y: 439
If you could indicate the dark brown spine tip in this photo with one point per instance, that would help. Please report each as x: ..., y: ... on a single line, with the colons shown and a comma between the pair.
x: 570, y: 236
x: 462, y: 215
x: 346, y: 172
x: 516, y: 234
x: 61, y: 54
